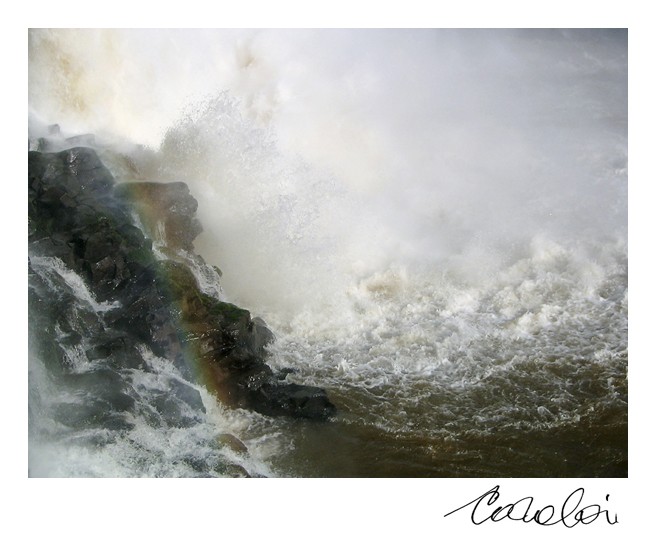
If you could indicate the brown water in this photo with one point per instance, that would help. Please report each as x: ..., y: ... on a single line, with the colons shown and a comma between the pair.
x: 350, y: 446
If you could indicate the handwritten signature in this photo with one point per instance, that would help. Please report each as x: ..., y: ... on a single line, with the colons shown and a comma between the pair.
x: 571, y: 514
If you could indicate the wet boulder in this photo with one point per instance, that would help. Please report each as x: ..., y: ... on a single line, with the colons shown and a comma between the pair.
x: 281, y: 399
x: 167, y: 210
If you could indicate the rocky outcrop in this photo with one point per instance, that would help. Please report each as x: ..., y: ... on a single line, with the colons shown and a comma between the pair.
x: 77, y: 214
x: 167, y: 209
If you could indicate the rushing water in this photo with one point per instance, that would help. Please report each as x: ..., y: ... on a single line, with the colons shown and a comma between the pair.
x: 433, y: 223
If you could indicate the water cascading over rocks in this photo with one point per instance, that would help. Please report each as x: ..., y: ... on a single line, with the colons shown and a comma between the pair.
x: 150, y: 296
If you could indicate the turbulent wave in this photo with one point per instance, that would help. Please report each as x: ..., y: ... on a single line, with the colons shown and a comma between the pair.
x: 434, y: 224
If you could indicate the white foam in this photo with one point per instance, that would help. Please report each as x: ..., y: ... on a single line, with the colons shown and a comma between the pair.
x: 73, y: 281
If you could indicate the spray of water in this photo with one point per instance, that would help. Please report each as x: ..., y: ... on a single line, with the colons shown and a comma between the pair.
x: 344, y: 152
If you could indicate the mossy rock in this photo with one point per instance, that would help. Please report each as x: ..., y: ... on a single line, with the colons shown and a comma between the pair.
x: 141, y: 255
x: 227, y: 311
x: 178, y: 279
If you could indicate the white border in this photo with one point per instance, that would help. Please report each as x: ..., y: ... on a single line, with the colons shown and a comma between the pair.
x: 320, y: 506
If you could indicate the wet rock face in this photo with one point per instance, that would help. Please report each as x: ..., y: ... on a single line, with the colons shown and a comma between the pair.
x: 166, y: 208
x: 233, y: 346
x: 77, y: 214
x: 73, y: 215
x: 291, y: 399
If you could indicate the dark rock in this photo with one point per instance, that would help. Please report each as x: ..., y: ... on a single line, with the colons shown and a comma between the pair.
x: 234, y: 470
x: 178, y: 406
x: 103, y: 398
x: 105, y: 386
x: 280, y: 399
x: 169, y: 204
x: 94, y: 414
x: 232, y: 442
x: 77, y: 214
x: 173, y: 414
x: 148, y: 320
x: 199, y: 465
x: 116, y: 347
x: 71, y: 171
x: 284, y: 372
x: 260, y: 336
x: 188, y: 394
x: 56, y: 320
